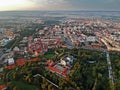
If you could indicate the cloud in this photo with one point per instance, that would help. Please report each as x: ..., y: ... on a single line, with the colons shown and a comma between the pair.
x: 79, y: 4
x: 49, y: 1
x: 52, y: 4
x: 62, y: 4
x: 15, y: 5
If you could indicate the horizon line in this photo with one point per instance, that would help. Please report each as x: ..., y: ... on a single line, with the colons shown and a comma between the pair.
x: 63, y: 10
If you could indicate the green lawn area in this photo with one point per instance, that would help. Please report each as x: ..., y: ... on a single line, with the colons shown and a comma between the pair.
x: 24, y: 86
x: 49, y: 55
x: 1, y: 82
x: 10, y: 44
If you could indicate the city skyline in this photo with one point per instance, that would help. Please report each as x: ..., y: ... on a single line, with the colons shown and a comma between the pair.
x: 6, y: 5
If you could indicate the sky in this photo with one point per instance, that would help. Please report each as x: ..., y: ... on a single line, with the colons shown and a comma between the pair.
x: 7, y: 5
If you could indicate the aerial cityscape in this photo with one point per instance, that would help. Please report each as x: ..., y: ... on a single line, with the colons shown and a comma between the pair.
x: 59, y: 45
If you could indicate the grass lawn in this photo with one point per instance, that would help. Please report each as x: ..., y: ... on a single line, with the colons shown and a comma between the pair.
x: 1, y: 82
x: 49, y: 55
x: 24, y: 86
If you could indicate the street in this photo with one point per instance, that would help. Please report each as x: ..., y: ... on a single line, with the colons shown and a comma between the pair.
x: 109, y: 67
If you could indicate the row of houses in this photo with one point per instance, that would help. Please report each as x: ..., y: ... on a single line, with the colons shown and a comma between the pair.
x: 19, y: 62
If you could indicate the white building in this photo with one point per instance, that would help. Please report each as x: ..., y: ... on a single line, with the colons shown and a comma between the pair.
x: 91, y: 39
x: 67, y: 60
x: 16, y: 49
x: 10, y: 61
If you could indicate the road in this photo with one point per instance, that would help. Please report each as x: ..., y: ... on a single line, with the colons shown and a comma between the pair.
x: 6, y: 54
x: 109, y: 67
x: 110, y: 48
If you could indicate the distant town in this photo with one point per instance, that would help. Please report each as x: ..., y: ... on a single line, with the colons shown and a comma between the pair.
x: 59, y: 50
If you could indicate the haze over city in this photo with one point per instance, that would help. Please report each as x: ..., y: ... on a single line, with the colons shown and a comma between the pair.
x: 8, y: 5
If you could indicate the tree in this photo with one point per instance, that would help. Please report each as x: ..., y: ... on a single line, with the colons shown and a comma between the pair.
x: 15, y: 88
x: 10, y: 86
x: 99, y: 75
x: 43, y: 86
x: 14, y: 75
x: 79, y: 53
x: 28, y: 78
x: 62, y: 82
x: 118, y: 85
x: 68, y: 80
x: 78, y: 88
x: 36, y: 81
x: 49, y: 87
x: 95, y: 83
x: 112, y: 87
x: 76, y: 65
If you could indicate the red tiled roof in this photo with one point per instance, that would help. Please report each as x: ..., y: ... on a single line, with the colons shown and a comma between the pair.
x: 3, y: 87
x: 63, y: 72
x: 10, y: 66
x: 32, y: 60
x: 54, y: 69
x: 50, y: 62
x: 20, y: 62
